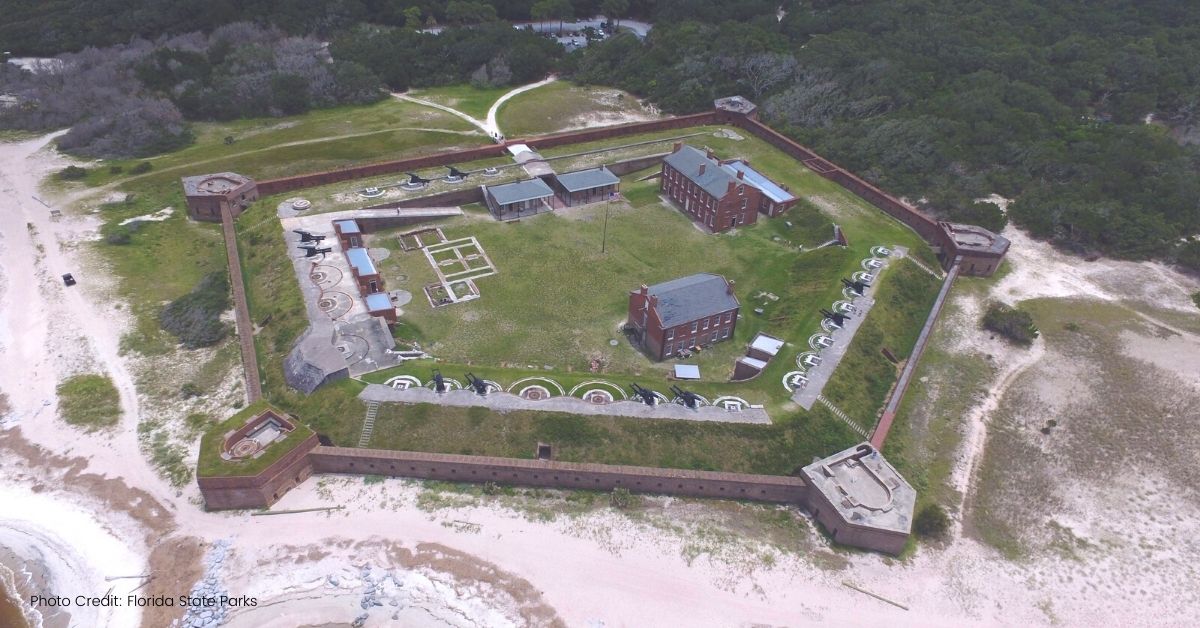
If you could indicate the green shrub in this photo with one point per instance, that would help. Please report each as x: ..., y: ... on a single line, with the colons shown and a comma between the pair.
x: 1196, y: 298
x: 89, y: 401
x: 1016, y: 325
x: 622, y: 499
x: 931, y: 522
x: 114, y: 169
x: 118, y: 236
x: 142, y: 168
x: 72, y: 173
x: 189, y: 390
x: 195, y: 318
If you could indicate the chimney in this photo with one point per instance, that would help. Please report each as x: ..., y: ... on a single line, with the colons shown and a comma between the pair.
x: 710, y: 153
x: 653, y: 301
x: 729, y: 286
x: 645, y: 290
x: 678, y: 147
x: 741, y: 174
x: 701, y: 170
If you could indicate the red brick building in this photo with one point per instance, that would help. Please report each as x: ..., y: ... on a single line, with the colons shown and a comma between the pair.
x: 682, y: 314
x: 720, y: 195
x: 207, y: 195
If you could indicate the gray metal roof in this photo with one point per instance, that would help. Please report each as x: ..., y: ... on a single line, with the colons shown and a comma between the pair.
x: 588, y: 179
x: 715, y: 180
x: 695, y: 296
x: 509, y: 193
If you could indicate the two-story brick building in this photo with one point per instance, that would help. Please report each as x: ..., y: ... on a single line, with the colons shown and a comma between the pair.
x: 720, y: 195
x: 682, y: 314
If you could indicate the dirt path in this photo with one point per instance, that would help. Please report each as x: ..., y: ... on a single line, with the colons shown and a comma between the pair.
x: 495, y: 108
x: 489, y: 126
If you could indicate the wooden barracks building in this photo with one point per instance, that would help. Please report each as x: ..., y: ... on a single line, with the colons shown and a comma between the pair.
x: 720, y: 194
x: 681, y: 314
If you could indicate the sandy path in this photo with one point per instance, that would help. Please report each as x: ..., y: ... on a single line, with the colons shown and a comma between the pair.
x: 495, y: 108
x: 489, y: 126
x: 55, y: 331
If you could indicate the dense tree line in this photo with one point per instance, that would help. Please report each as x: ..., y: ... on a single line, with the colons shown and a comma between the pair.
x: 135, y: 99
x: 1084, y: 112
x: 485, y: 54
x: 51, y: 27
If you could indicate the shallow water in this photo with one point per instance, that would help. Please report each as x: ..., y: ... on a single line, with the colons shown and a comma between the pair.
x: 11, y: 615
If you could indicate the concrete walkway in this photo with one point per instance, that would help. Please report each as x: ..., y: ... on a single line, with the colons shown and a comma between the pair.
x: 819, y: 375
x: 503, y: 401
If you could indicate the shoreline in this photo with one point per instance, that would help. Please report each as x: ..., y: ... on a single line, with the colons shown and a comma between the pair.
x: 20, y: 578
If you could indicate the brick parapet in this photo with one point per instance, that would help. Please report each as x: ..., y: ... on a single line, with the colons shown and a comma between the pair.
x: 264, y: 488
x: 556, y: 474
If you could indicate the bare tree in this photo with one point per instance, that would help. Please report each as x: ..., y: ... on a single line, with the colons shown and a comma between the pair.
x: 765, y: 70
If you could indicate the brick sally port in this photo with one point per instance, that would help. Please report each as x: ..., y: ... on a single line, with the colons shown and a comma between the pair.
x: 856, y: 495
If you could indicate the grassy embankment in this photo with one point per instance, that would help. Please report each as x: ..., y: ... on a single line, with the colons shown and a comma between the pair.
x: 562, y: 105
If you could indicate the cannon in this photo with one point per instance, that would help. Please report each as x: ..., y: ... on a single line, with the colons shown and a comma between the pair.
x: 690, y: 399
x: 416, y: 179
x: 838, y: 318
x: 439, y: 383
x: 308, y: 237
x: 456, y: 174
x: 647, y: 395
x: 857, y: 286
x: 478, y: 385
x: 312, y: 251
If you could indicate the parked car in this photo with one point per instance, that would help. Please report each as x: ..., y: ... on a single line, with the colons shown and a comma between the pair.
x: 68, y: 279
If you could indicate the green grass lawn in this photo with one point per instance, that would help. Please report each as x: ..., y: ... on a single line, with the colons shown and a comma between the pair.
x: 471, y: 100
x: 269, y: 147
x: 89, y: 401
x: 562, y: 105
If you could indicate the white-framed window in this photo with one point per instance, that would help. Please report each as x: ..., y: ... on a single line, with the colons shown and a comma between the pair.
x: 667, y: 350
x: 705, y: 324
x: 741, y: 191
x: 695, y: 326
x: 725, y: 333
x: 671, y: 334
x: 728, y: 316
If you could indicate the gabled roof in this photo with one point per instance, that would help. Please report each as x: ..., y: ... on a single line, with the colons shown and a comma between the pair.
x: 347, y: 226
x: 693, y: 297
x: 587, y: 179
x: 520, y: 191
x: 715, y: 180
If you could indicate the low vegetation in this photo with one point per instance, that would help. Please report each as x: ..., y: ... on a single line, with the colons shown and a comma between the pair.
x: 1012, y: 323
x: 931, y: 522
x: 89, y: 401
x: 195, y: 318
